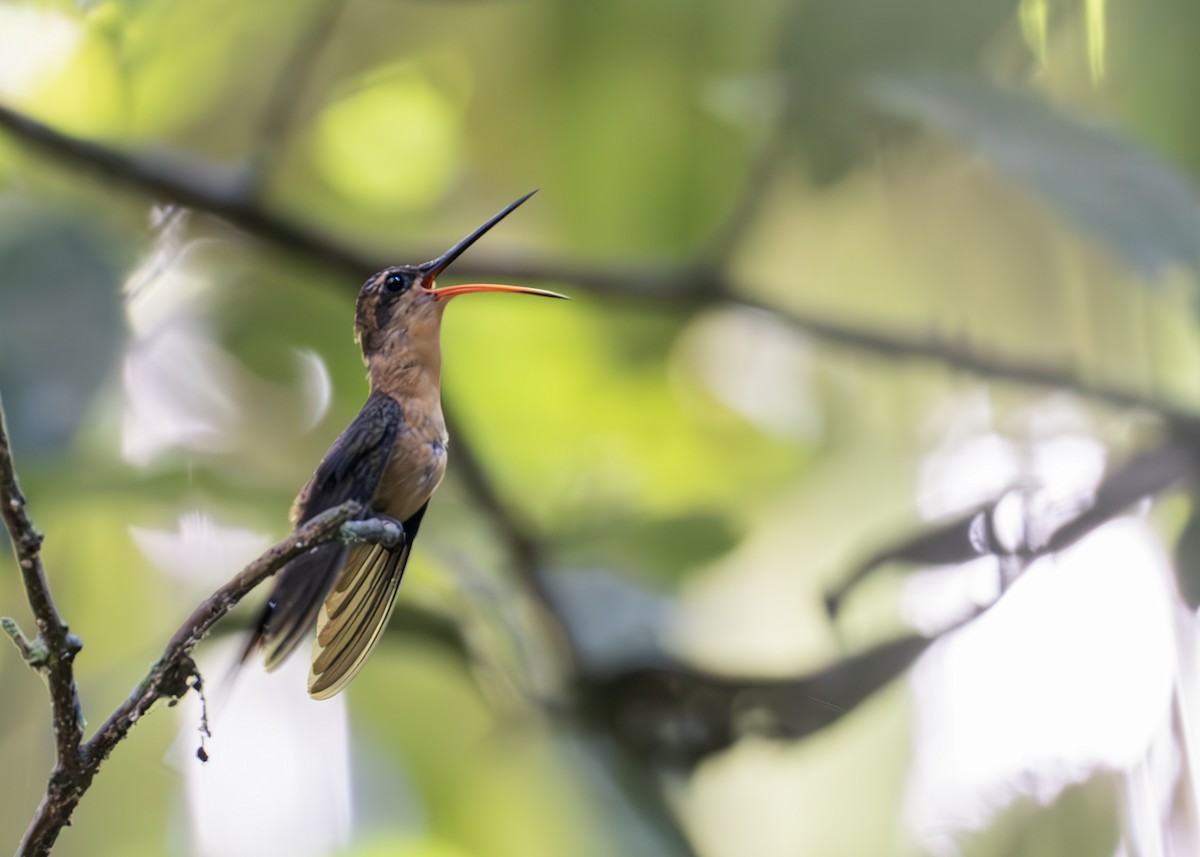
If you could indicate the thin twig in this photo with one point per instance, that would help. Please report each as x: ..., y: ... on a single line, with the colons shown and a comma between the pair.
x: 171, y: 676
x: 55, y: 646
x: 323, y: 528
x: 223, y: 193
x: 964, y: 358
x: 54, y: 649
x: 189, y: 182
x: 677, y: 714
x: 956, y: 541
x: 202, y: 187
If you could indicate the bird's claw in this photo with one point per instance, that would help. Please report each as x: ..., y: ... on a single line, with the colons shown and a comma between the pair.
x: 380, y: 530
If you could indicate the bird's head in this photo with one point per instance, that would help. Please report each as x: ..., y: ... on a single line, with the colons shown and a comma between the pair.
x: 399, y: 309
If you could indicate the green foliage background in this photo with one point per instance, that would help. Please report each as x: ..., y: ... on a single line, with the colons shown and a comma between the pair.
x: 938, y: 169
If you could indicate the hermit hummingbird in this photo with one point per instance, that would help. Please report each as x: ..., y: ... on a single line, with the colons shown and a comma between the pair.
x: 390, y: 458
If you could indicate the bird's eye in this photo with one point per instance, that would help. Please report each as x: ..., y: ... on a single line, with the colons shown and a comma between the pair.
x: 398, y: 282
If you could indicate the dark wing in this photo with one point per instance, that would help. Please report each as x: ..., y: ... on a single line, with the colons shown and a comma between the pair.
x: 353, y: 617
x: 351, y: 470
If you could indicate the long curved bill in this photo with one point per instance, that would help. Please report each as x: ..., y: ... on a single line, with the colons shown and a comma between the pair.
x: 470, y: 288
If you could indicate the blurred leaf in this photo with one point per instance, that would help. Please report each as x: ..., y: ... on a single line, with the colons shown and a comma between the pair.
x: 642, y: 122
x: 1150, y: 53
x: 422, y: 157
x: 1106, y: 183
x: 188, y: 81
x: 653, y: 548
x: 74, y: 80
x: 573, y: 417
x: 621, y: 122
x: 612, y: 622
x: 61, y: 321
x: 863, y: 35
x: 1097, y: 37
x: 832, y: 46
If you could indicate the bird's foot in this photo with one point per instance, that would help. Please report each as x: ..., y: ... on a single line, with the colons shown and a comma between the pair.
x: 379, y: 530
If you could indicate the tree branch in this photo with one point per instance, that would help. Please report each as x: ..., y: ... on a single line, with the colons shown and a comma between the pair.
x: 677, y: 715
x: 163, y: 677
x: 171, y: 676
x: 54, y: 646
x: 189, y: 182
x: 971, y: 535
x: 225, y: 194
x: 231, y: 196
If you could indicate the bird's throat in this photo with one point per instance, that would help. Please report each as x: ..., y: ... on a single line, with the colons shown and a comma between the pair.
x: 407, y: 370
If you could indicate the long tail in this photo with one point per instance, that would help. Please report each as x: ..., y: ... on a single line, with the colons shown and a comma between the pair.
x: 300, y: 589
x: 292, y: 609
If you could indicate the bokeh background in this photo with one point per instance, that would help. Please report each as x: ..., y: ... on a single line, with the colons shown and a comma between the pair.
x: 844, y: 511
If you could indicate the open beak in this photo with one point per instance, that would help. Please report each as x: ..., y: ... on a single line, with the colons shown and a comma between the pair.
x: 433, y: 268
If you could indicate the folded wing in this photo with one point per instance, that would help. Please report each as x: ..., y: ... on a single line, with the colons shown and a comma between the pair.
x: 351, y: 470
x: 353, y: 616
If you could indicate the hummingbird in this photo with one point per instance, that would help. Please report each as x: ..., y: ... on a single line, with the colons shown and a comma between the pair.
x: 391, y: 458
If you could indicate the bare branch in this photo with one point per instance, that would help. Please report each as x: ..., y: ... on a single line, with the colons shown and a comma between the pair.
x: 164, y: 675
x: 191, y: 183
x: 675, y: 714
x: 668, y: 692
x: 171, y: 676
x: 968, y: 536
x: 964, y: 358
x: 54, y: 644
x: 202, y: 187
